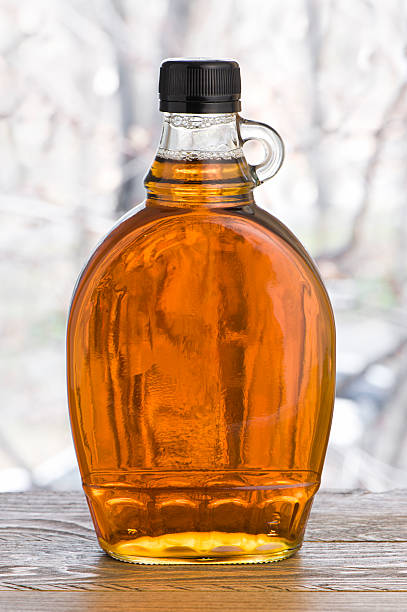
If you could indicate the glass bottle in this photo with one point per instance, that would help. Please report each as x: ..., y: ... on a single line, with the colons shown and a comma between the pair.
x: 201, y: 349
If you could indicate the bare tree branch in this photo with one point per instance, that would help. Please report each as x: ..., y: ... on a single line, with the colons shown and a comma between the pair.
x: 380, y: 136
x: 315, y: 40
x: 390, y: 354
x: 131, y: 188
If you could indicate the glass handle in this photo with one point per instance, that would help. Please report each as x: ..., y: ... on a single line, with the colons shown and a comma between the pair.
x: 272, y: 144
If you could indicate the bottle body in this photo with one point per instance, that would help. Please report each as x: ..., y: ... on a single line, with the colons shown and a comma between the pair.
x: 201, y: 374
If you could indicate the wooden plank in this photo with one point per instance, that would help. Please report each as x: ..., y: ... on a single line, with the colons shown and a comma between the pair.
x: 187, y: 601
x: 359, y: 515
x: 320, y: 566
x: 336, y: 516
x: 355, y: 542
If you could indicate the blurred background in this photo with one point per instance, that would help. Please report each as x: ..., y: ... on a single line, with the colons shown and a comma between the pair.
x: 79, y: 126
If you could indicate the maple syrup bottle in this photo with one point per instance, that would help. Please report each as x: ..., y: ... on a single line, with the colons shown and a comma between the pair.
x: 201, y: 349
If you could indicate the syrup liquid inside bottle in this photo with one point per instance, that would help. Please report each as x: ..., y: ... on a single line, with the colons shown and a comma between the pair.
x: 200, y: 368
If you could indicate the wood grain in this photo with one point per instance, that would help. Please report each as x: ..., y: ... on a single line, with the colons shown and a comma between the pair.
x: 355, y: 554
x: 187, y: 601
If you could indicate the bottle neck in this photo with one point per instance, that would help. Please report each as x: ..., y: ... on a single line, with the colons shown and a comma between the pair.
x: 200, y: 161
x: 199, y: 137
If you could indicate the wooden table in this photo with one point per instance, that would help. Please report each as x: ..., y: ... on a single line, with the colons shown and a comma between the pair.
x: 354, y: 558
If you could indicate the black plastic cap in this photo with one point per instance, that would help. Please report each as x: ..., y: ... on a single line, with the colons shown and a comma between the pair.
x: 199, y: 86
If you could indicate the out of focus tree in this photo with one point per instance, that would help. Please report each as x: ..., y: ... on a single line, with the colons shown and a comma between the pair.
x: 79, y: 126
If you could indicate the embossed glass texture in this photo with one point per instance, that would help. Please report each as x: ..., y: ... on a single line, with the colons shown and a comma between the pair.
x: 201, y: 363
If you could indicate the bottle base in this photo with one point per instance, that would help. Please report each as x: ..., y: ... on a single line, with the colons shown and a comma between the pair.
x: 201, y: 548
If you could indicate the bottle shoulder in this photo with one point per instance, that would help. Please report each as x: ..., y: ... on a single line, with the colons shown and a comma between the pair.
x: 151, y: 234
x: 234, y: 218
x: 278, y: 228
